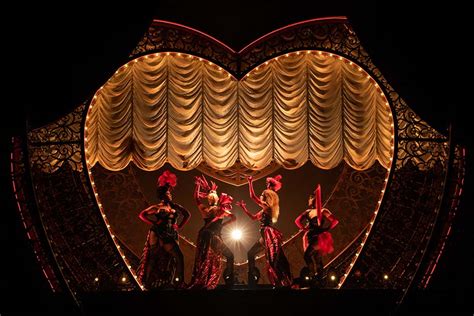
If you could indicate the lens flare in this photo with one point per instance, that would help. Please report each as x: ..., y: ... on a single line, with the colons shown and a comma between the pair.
x: 236, y: 234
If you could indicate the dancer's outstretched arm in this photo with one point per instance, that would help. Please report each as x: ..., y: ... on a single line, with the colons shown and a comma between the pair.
x: 225, y: 213
x: 244, y: 208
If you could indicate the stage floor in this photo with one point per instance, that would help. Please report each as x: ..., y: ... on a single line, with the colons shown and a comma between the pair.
x: 241, y: 301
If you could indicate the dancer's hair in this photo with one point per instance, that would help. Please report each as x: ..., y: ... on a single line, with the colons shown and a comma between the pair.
x: 273, y: 201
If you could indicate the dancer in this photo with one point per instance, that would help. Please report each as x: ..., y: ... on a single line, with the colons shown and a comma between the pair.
x: 317, y: 241
x: 161, y: 264
x: 210, y: 246
x: 278, y: 267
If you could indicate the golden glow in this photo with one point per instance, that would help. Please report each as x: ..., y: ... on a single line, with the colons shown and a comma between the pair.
x: 236, y: 234
x: 232, y: 234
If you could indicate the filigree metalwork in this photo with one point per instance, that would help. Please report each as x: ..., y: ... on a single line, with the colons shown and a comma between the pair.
x: 24, y: 199
x: 122, y: 201
x: 163, y: 36
x: 399, y: 237
x: 65, y: 129
x: 423, y: 154
x: 49, y: 158
x: 56, y: 143
x: 454, y: 188
x: 238, y: 173
x: 80, y: 243
x: 333, y: 36
x: 410, y: 125
x: 82, y: 246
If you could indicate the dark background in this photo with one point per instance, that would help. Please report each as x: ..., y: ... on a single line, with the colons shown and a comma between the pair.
x: 56, y: 56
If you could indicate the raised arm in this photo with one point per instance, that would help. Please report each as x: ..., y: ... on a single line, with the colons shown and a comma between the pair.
x: 197, y: 190
x: 253, y: 196
x: 184, y: 212
x: 244, y: 208
x: 146, y: 213
x: 299, y: 220
x: 225, y: 213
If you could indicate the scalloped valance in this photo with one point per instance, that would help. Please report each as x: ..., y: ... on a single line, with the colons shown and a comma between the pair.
x: 177, y: 108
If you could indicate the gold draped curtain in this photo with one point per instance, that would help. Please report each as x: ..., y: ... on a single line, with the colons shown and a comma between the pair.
x: 182, y: 110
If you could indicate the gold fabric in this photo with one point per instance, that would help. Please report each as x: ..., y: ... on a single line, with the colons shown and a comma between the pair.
x: 178, y: 109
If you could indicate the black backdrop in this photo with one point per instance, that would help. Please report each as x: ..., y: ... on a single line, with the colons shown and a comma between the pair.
x: 56, y: 56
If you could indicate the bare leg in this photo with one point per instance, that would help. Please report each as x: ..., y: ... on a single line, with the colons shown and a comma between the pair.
x: 229, y: 256
x: 173, y: 249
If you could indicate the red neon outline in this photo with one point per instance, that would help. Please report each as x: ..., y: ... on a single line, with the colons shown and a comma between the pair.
x: 284, y: 28
x: 264, y: 37
x: 195, y: 31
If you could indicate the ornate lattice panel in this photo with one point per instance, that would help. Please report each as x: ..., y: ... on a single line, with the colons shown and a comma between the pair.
x: 57, y: 143
x: 397, y: 245
x: 30, y: 219
x: 79, y: 243
x: 75, y: 232
x: 165, y: 36
x: 454, y: 188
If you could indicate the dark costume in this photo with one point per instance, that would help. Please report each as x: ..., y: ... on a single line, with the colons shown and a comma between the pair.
x: 278, y: 268
x: 161, y: 264
x: 317, y: 241
x: 209, y: 251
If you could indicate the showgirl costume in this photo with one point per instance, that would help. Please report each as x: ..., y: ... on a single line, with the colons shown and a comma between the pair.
x: 317, y: 240
x: 278, y: 268
x: 161, y: 264
x: 210, y: 246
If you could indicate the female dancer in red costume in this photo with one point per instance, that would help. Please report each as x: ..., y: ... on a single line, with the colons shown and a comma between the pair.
x: 271, y: 238
x: 317, y: 241
x: 161, y: 264
x: 210, y: 246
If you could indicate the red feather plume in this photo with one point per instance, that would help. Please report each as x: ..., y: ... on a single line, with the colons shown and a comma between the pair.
x: 167, y: 178
x: 274, y: 183
x: 225, y: 201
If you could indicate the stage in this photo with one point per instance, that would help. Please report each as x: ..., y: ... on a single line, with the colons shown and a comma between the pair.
x: 401, y: 194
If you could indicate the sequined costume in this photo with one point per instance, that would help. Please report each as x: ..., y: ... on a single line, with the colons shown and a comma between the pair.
x: 210, y: 248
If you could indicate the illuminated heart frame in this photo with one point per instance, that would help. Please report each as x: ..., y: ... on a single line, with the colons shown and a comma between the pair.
x: 70, y: 233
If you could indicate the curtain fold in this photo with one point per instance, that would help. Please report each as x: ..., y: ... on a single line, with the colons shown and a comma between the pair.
x: 185, y: 111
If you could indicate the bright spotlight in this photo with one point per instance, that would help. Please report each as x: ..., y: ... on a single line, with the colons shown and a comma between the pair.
x: 236, y: 234
x: 333, y: 277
